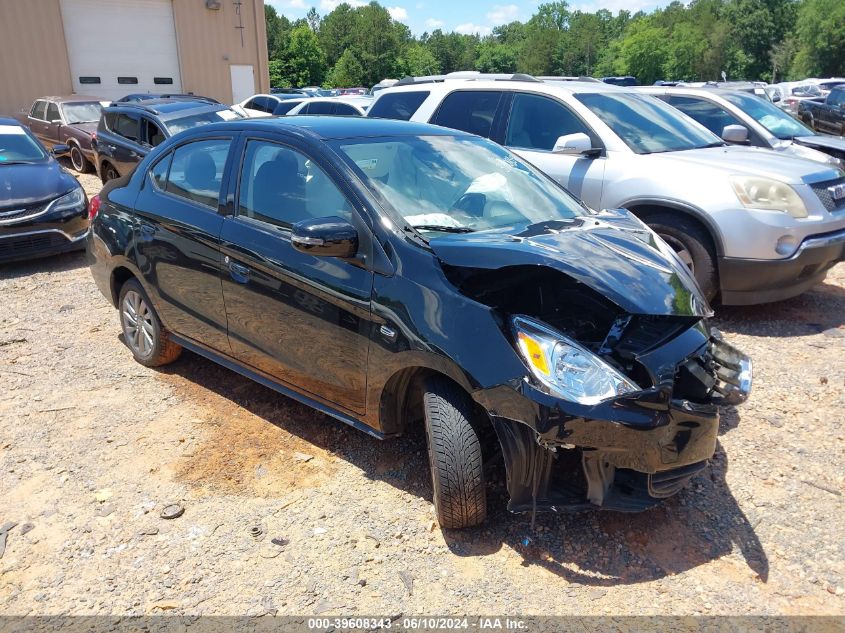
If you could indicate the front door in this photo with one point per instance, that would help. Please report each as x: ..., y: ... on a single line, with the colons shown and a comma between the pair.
x: 534, y: 125
x: 178, y: 233
x: 300, y: 318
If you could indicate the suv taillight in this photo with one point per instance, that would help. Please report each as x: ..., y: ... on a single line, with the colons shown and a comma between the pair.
x: 93, y: 137
x: 93, y: 207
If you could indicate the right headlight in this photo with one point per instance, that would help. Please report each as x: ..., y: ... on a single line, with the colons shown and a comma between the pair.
x: 73, y: 200
x: 566, y: 368
x: 764, y: 193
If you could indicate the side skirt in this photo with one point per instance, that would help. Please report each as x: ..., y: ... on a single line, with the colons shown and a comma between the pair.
x: 261, y: 379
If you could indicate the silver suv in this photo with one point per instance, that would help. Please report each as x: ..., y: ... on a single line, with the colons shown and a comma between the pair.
x: 754, y: 225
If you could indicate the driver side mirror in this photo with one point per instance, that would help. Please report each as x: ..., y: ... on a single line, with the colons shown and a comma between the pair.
x: 775, y: 98
x: 325, y: 237
x: 573, y: 145
x: 60, y: 150
x: 736, y: 134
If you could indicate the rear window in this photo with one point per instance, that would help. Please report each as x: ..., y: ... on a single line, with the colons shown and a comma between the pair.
x: 471, y: 111
x: 398, y: 105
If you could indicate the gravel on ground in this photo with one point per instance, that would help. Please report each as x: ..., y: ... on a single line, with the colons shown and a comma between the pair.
x: 281, y: 510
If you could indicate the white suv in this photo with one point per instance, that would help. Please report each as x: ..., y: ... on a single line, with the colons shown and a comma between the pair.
x: 754, y: 225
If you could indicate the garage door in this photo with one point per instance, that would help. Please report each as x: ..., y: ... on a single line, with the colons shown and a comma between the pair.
x: 117, y: 47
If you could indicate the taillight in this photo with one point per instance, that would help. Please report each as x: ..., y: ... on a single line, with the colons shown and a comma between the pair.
x: 93, y: 207
x: 93, y: 137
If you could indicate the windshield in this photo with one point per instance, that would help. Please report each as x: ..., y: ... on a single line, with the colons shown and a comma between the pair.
x: 807, y: 90
x: 648, y: 125
x: 16, y: 146
x: 769, y: 116
x: 457, y: 184
x: 186, y: 123
x: 82, y: 112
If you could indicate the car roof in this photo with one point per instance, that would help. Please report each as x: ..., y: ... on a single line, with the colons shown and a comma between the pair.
x: 72, y: 99
x: 9, y: 121
x: 547, y: 85
x: 335, y: 127
x: 171, y: 108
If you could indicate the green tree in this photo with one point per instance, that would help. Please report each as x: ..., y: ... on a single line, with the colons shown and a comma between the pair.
x: 304, y: 59
x: 643, y: 51
x: 337, y: 32
x: 418, y: 60
x: 821, y: 33
x: 494, y: 57
x: 313, y: 19
x: 347, y: 73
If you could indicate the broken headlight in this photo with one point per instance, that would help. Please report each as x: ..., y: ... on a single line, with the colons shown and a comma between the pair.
x: 566, y: 368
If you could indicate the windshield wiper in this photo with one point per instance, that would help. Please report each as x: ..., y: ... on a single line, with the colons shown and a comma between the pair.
x: 444, y: 229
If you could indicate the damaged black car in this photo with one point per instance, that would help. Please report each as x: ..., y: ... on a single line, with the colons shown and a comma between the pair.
x: 393, y: 274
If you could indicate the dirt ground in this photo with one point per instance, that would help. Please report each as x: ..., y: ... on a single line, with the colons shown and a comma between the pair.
x: 289, y: 512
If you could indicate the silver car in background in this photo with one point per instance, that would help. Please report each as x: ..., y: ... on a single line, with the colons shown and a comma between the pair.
x: 754, y: 225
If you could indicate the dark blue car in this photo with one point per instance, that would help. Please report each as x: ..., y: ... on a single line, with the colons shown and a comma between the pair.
x: 43, y: 209
x: 128, y: 131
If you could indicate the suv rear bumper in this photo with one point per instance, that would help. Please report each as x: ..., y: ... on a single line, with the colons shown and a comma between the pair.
x: 751, y: 281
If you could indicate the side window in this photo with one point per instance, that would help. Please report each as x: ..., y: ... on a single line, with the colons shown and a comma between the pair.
x: 196, y: 171
x: 469, y: 110
x: 53, y: 112
x: 151, y: 134
x: 39, y: 110
x: 398, y: 105
x: 538, y: 122
x: 286, y: 106
x: 704, y: 112
x: 280, y: 186
x: 321, y: 107
x: 344, y: 109
x: 837, y: 97
x: 126, y: 125
x: 159, y: 171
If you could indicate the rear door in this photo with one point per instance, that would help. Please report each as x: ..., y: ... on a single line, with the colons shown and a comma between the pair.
x: 178, y: 242
x: 534, y: 124
x: 125, y: 148
x: 302, y: 319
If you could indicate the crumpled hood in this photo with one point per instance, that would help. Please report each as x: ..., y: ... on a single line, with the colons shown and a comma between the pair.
x: 822, y: 141
x: 24, y: 185
x: 754, y: 161
x: 613, y: 253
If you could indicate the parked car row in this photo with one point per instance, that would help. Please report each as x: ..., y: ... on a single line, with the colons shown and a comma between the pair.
x: 276, y: 105
x: 752, y: 224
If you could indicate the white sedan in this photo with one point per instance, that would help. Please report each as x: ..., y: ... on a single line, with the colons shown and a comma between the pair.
x: 339, y: 106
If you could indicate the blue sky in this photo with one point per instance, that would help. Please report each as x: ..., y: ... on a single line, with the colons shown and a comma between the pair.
x: 464, y: 16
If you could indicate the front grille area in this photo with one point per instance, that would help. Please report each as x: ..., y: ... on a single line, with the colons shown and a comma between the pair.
x: 12, y: 215
x: 26, y: 244
x: 821, y: 190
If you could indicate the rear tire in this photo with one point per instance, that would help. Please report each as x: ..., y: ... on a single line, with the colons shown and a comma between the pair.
x: 78, y: 160
x: 454, y: 452
x: 143, y: 333
x: 693, y: 245
x: 107, y: 172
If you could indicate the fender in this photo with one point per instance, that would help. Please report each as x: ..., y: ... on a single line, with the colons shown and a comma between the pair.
x: 684, y: 207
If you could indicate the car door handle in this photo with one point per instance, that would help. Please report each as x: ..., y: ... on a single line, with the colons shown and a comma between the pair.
x: 239, y: 272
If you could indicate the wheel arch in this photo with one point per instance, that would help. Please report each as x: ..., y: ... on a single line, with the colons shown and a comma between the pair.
x: 643, y: 207
x: 400, y: 402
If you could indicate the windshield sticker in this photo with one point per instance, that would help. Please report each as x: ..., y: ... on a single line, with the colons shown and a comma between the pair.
x: 367, y: 164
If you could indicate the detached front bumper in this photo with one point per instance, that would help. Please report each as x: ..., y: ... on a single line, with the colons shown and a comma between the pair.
x: 624, y: 454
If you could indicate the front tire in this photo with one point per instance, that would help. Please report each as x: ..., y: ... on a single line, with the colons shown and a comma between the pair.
x: 454, y: 452
x: 693, y: 246
x: 143, y: 333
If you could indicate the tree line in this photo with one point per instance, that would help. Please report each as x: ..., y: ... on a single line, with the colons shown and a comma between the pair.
x: 769, y: 40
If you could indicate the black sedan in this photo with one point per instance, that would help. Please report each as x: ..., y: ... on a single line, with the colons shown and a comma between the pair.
x: 43, y: 209
x: 394, y: 274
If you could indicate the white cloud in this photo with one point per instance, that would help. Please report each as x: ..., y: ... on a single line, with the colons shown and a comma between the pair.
x: 400, y: 14
x: 469, y: 28
x: 433, y: 24
x: 503, y: 13
x: 331, y: 5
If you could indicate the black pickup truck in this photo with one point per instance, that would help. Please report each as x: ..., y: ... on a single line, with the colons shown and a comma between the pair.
x: 826, y: 115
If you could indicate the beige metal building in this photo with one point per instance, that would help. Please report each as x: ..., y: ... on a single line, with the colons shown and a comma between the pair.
x: 110, y: 48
